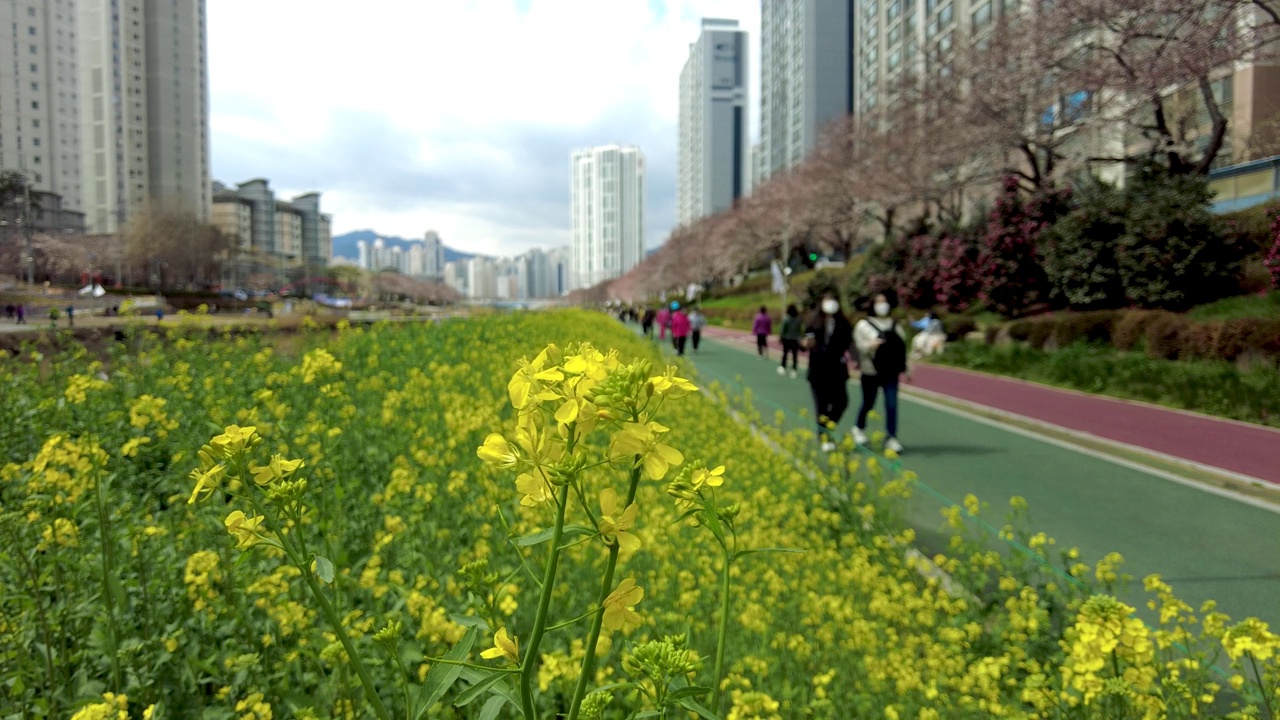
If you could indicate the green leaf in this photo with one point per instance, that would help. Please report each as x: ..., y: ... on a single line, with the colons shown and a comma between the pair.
x: 466, y: 696
x: 324, y: 569
x: 443, y: 675
x: 544, y: 535
x: 692, y: 705
x: 492, y: 708
x: 790, y: 551
x: 690, y: 691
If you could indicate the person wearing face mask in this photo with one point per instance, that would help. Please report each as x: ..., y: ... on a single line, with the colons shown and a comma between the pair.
x: 882, y: 346
x: 828, y: 337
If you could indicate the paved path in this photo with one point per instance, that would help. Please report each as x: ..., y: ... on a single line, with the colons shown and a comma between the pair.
x: 1242, y: 448
x: 1206, y: 545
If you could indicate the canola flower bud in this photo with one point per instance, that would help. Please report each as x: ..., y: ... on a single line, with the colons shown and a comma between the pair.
x: 390, y: 634
x: 593, y: 705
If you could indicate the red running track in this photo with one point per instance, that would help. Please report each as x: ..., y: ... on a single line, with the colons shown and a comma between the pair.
x: 1252, y: 450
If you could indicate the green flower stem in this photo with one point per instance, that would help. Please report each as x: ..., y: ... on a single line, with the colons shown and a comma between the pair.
x: 336, y: 621
x: 1262, y: 685
x: 718, y: 673
x: 104, y: 536
x: 544, y: 605
x: 606, y: 587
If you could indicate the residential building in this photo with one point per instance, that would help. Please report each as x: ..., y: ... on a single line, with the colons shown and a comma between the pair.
x: 607, y: 196
x: 559, y: 271
x: 288, y: 234
x: 39, y: 96
x: 714, y: 163
x: 432, y: 256
x: 482, y: 278
x: 282, y: 235
x: 806, y: 49
x: 144, y: 107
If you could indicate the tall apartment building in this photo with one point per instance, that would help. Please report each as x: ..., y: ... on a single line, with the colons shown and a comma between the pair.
x: 432, y: 256
x: 144, y: 108
x: 288, y: 234
x: 714, y: 163
x: 39, y: 96
x: 806, y: 51
x: 897, y: 37
x: 607, y: 196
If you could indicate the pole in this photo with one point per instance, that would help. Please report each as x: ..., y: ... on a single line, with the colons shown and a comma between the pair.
x: 28, y: 229
x: 786, y: 255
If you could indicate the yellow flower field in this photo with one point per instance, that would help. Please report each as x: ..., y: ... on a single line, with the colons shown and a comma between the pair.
x: 525, y: 515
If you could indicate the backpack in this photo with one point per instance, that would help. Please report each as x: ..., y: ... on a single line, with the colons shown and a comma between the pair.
x: 890, y: 359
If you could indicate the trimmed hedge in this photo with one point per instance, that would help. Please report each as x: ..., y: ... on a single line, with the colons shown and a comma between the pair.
x: 1210, y: 386
x: 1159, y: 334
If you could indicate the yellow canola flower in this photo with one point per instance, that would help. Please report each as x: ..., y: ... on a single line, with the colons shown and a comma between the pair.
x: 130, y: 448
x: 504, y: 646
x: 235, y: 439
x: 711, y: 478
x: 642, y: 439
x: 248, y: 531
x: 112, y: 707
x: 62, y: 533
x: 277, y: 469
x: 1252, y: 636
x: 535, y: 490
x: 614, y: 526
x: 619, y: 607
x: 670, y: 385
x: 531, y: 384
x: 207, y: 480
x: 497, y: 451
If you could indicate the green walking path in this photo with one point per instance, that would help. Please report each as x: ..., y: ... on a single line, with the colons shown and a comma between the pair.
x: 1206, y: 546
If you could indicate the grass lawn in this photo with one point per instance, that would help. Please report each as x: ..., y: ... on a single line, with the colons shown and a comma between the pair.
x: 1260, y: 306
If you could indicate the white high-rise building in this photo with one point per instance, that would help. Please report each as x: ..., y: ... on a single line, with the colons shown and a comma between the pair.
x: 714, y: 158
x: 144, y: 107
x: 607, y: 196
x: 805, y: 76
x: 39, y: 92
x: 433, y: 256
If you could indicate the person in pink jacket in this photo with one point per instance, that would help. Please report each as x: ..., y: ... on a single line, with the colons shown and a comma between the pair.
x: 664, y: 321
x: 679, y: 327
x: 762, y: 326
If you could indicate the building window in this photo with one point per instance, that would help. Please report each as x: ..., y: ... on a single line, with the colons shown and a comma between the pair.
x: 945, y: 15
x: 895, y: 34
x: 895, y: 59
x: 35, y: 104
x: 35, y: 141
x: 35, y: 159
x: 895, y: 8
x: 982, y: 16
x: 35, y: 68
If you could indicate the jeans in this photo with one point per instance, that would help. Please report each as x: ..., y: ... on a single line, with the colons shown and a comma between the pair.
x: 697, y: 338
x: 830, y: 399
x: 793, y: 347
x: 679, y: 343
x: 871, y: 384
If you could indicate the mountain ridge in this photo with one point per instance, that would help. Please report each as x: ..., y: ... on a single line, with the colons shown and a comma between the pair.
x: 344, y: 245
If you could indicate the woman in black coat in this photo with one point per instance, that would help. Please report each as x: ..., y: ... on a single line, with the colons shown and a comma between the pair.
x: 828, y: 337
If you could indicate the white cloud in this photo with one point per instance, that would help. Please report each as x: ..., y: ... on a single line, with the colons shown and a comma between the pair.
x: 456, y: 115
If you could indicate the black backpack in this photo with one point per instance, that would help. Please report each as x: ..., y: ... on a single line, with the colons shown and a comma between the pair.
x: 890, y: 358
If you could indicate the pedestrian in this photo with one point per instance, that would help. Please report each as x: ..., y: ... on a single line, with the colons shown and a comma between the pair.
x: 680, y: 328
x: 9, y: 311
x: 762, y: 326
x: 22, y: 314
x: 790, y: 334
x: 828, y: 337
x: 883, y: 349
x: 932, y: 337
x: 646, y: 322
x: 71, y: 316
x: 697, y: 321
x: 664, y: 320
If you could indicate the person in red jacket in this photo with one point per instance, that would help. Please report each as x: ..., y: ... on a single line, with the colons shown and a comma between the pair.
x: 679, y: 327
x: 664, y: 321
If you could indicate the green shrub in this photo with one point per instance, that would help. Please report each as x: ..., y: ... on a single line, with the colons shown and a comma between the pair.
x: 1079, y: 249
x: 1164, y: 336
x: 1131, y: 328
x: 1094, y: 327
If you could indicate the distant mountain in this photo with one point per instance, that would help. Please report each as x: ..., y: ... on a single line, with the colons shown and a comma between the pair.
x: 345, y: 245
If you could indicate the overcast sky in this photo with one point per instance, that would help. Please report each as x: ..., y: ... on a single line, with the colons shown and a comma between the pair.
x: 453, y: 115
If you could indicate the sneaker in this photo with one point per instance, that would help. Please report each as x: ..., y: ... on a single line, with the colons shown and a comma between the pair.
x: 781, y: 370
x: 793, y: 374
x: 859, y: 436
x: 893, y: 444
x: 828, y: 446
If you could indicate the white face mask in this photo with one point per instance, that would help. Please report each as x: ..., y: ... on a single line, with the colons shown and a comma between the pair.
x: 830, y: 307
x: 882, y: 309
